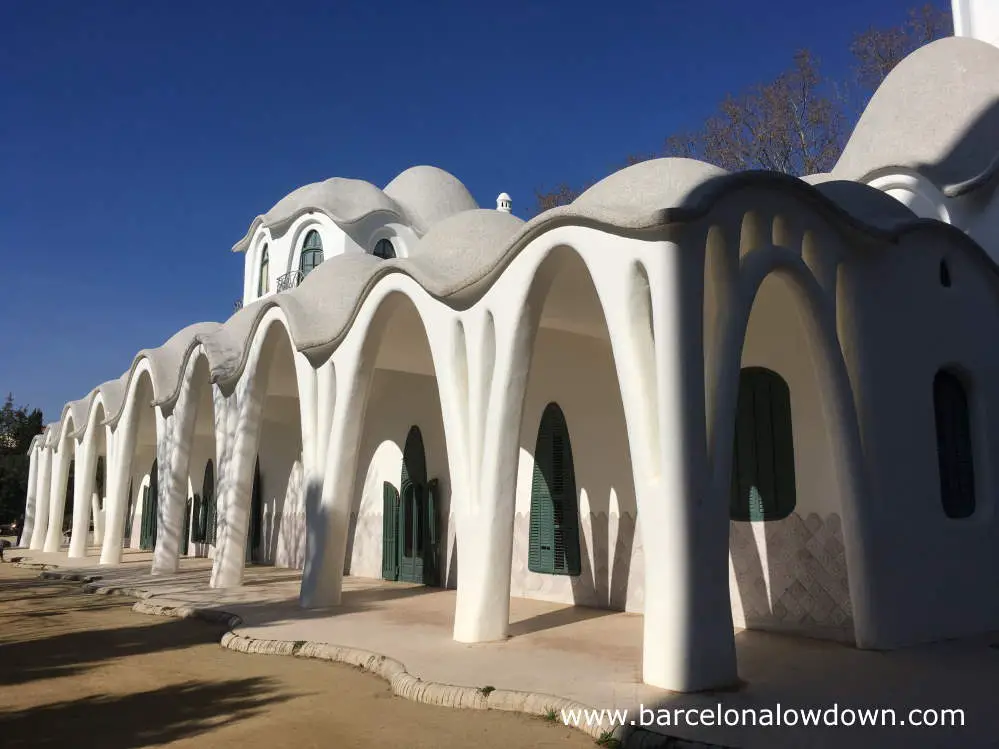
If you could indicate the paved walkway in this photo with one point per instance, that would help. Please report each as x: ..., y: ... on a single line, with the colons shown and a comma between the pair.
x: 594, y: 657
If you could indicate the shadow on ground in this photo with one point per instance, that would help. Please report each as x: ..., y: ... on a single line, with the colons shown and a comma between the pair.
x: 152, y: 718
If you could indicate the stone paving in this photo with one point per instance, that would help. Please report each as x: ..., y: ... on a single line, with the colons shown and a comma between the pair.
x: 591, y: 657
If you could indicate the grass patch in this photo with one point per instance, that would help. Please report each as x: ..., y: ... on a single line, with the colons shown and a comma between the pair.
x: 608, y: 740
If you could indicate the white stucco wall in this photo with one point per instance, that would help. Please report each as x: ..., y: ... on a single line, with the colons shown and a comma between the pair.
x: 283, y: 509
x: 610, y: 544
x: 791, y: 574
x: 284, y: 252
x: 397, y: 401
x: 907, y: 326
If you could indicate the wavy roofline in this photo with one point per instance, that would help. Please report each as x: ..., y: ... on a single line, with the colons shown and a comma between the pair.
x: 696, y: 202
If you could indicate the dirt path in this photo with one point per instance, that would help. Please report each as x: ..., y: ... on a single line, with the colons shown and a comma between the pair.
x: 80, y: 670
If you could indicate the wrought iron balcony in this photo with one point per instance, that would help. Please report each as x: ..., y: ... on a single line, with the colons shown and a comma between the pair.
x: 237, y: 305
x: 290, y: 280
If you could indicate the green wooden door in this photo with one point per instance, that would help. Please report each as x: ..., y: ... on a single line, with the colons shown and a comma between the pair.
x: 129, y: 515
x: 412, y: 509
x: 185, y: 538
x: 255, y: 539
x: 144, y: 519
x: 431, y: 557
x: 390, y: 532
x: 154, y: 504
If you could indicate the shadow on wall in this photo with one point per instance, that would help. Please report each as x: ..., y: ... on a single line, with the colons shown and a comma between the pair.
x: 801, y: 585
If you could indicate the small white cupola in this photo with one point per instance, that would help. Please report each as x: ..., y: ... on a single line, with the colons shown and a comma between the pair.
x: 503, y: 203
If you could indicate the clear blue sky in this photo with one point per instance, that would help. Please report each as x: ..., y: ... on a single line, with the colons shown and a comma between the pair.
x: 139, y: 139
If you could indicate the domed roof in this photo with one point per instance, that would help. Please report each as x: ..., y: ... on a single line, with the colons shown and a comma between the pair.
x: 649, y: 185
x: 429, y: 195
x: 935, y: 113
x: 471, y: 239
x: 345, y: 201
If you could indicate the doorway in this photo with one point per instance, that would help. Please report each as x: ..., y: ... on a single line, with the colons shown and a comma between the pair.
x: 150, y: 503
x: 409, y: 520
x: 254, y: 551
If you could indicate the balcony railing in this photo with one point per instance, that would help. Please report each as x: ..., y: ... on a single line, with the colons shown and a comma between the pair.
x: 237, y: 305
x: 290, y: 280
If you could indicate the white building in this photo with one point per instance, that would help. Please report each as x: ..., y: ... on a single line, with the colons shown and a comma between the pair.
x: 718, y: 400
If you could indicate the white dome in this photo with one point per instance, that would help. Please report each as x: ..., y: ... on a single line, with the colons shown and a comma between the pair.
x: 429, y: 195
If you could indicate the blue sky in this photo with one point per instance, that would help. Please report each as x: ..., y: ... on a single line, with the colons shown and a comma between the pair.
x: 139, y: 139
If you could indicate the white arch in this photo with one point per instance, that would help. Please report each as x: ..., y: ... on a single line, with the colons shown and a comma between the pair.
x: 85, y: 476
x: 124, y: 442
x: 65, y: 445
x: 240, y: 438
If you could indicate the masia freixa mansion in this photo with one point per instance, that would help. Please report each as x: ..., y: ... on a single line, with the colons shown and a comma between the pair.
x: 718, y: 400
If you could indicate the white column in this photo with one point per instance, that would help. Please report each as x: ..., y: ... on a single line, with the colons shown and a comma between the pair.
x: 498, y: 365
x: 83, y: 487
x: 978, y: 19
x: 98, y: 517
x: 57, y: 495
x: 174, y: 456
x: 31, y: 501
x: 42, y: 499
x: 118, y: 469
x: 328, y: 519
x: 688, y: 642
x: 235, y: 482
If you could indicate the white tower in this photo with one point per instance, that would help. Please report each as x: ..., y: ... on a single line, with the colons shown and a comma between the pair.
x: 503, y: 203
x: 978, y: 19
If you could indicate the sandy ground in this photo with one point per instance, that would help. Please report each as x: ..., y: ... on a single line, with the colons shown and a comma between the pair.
x: 78, y: 669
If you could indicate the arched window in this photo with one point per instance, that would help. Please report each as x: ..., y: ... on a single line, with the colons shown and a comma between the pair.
x: 264, y: 280
x: 954, y: 449
x: 763, y: 460
x: 312, y: 253
x: 553, y: 544
x: 384, y: 249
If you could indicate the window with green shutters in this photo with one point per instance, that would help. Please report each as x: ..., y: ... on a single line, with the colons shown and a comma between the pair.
x: 553, y: 544
x: 763, y: 485
x: 264, y: 279
x: 954, y: 446
x: 312, y: 253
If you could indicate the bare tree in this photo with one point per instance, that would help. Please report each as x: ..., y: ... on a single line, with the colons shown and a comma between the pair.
x: 878, y: 51
x: 790, y: 125
x: 797, y: 123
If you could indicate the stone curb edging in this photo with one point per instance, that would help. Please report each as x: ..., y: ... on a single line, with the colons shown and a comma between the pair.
x: 402, y: 683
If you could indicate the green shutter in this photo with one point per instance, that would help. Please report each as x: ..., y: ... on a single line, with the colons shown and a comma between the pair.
x: 197, y: 530
x: 256, y: 513
x: 763, y: 480
x: 129, y: 515
x: 390, y: 530
x: 553, y: 540
x: 185, y: 539
x: 208, y: 506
